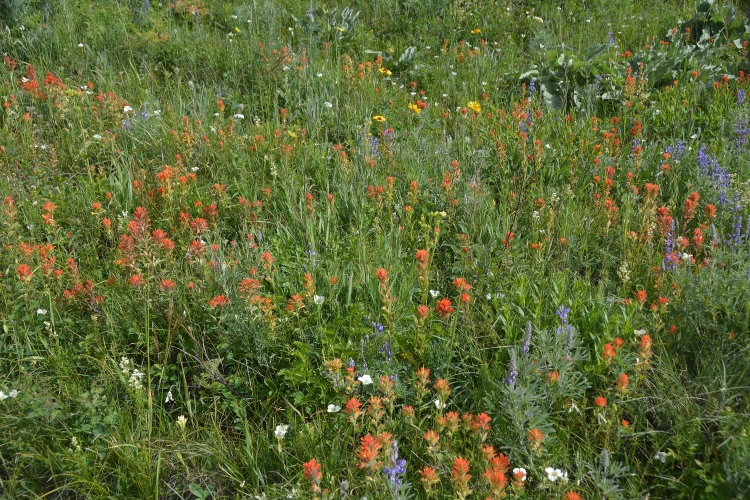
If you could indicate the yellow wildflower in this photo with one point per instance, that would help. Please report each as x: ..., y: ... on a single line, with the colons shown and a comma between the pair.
x: 386, y: 72
x: 415, y: 108
x: 475, y: 106
x: 378, y: 118
x: 476, y: 31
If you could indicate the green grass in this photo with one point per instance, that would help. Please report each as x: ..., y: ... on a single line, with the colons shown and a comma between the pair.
x: 136, y: 363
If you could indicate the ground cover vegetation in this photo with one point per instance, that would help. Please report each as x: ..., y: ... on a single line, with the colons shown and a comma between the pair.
x: 393, y: 249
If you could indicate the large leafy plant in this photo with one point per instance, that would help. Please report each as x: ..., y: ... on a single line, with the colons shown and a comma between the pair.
x: 713, y: 42
x: 565, y: 75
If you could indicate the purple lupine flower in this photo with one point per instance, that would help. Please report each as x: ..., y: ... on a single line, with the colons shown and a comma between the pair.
x: 737, y: 230
x: 374, y: 143
x: 721, y: 180
x: 611, y: 35
x: 310, y: 251
x: 737, y: 224
x: 532, y: 85
x: 740, y: 97
x: 709, y: 166
x: 705, y: 162
x: 563, y: 312
x: 676, y: 150
x: 386, y: 349
x: 396, y: 469
x: 670, y: 262
x: 377, y: 326
x: 526, y: 125
x: 742, y: 132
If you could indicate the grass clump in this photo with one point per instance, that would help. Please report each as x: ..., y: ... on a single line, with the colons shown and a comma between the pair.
x: 382, y: 250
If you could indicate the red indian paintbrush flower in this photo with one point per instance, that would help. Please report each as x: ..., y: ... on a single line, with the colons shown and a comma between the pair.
x: 312, y: 473
x: 444, y: 308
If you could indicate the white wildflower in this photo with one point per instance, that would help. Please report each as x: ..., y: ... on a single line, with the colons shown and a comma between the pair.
x: 74, y: 445
x: 439, y: 404
x: 365, y: 379
x: 661, y: 456
x: 41, y: 312
x: 182, y: 421
x: 136, y: 380
x: 332, y: 408
x: 624, y: 273
x: 520, y: 472
x: 281, y: 431
x: 318, y: 299
x: 556, y: 474
x: 434, y: 293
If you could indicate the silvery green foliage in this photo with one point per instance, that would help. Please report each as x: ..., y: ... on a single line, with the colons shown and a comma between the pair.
x: 328, y: 23
x: 531, y: 401
x: 606, y: 475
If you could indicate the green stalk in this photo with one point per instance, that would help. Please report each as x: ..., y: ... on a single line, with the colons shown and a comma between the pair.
x: 147, y: 326
x: 453, y: 339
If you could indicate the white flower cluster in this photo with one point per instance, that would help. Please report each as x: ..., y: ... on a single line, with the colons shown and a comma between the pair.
x: 135, y: 376
x: 75, y: 446
x: 624, y: 273
x: 12, y: 394
x: 136, y: 379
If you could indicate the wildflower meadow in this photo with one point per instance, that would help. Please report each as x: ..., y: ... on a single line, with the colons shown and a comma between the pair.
x: 445, y: 249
